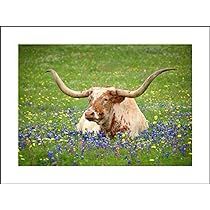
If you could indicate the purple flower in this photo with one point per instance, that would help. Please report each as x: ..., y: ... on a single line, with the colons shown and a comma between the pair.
x: 183, y: 149
x: 20, y: 136
x: 22, y: 144
x: 58, y: 148
x: 57, y: 137
x: 50, y: 154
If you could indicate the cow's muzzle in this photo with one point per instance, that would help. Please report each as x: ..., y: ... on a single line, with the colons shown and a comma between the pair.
x: 90, y: 115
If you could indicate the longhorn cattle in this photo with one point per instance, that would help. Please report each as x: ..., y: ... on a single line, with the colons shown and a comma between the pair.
x: 111, y: 110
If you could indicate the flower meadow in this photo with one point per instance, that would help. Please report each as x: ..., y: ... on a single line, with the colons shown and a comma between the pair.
x: 47, y: 134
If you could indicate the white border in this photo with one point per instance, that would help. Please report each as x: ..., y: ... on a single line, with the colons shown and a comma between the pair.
x: 198, y: 37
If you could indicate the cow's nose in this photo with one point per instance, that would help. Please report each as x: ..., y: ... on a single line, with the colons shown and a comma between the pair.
x: 89, y: 114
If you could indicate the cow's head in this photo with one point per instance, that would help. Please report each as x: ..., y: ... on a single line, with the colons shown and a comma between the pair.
x: 101, y: 100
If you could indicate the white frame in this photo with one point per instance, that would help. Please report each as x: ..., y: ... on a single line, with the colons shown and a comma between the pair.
x: 198, y: 37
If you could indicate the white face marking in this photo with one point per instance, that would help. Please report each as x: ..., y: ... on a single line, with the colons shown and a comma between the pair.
x: 96, y: 115
x: 98, y: 91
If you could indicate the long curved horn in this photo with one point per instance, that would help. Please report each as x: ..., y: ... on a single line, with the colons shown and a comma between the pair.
x: 65, y: 89
x: 143, y: 87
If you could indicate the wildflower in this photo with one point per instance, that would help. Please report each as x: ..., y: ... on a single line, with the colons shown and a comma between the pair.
x: 171, y: 133
x: 57, y: 137
x: 49, y: 135
x: 22, y: 144
x: 155, y: 117
x: 58, y: 148
x: 20, y: 136
x: 182, y: 149
x: 50, y: 154
x: 123, y: 135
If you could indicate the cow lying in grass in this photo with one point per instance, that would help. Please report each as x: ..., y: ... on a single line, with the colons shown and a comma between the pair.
x: 111, y: 110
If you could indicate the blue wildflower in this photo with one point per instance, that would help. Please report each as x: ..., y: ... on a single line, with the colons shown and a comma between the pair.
x: 58, y: 148
x: 57, y: 137
x: 20, y: 136
x: 50, y: 154
x: 182, y: 149
x: 50, y: 135
x: 27, y: 135
x: 72, y: 133
x: 22, y: 144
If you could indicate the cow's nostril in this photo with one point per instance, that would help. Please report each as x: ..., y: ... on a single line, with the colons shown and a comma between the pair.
x: 89, y: 114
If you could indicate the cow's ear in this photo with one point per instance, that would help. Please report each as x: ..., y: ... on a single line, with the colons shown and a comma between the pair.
x: 115, y: 97
x: 118, y: 99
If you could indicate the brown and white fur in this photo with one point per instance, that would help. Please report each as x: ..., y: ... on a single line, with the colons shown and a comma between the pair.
x: 112, y: 113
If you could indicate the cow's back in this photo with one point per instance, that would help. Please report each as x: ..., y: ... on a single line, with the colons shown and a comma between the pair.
x: 130, y: 115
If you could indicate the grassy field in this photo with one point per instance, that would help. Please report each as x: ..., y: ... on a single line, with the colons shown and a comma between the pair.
x: 47, y: 118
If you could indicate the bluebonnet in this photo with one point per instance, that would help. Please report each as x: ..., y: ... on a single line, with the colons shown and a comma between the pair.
x: 50, y: 135
x: 182, y: 149
x: 164, y: 140
x: 22, y: 144
x: 50, y: 154
x: 57, y: 137
x: 20, y: 136
x: 58, y: 148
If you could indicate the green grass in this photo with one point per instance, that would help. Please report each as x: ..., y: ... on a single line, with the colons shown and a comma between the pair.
x: 43, y: 107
